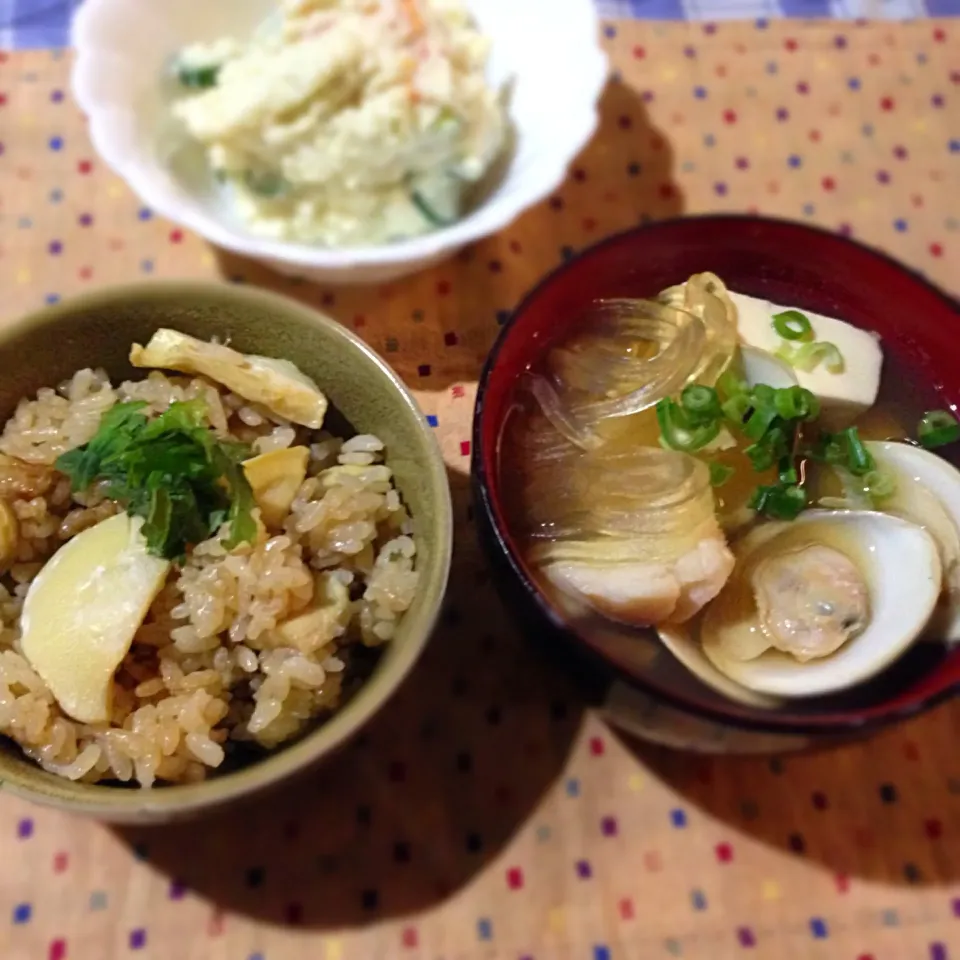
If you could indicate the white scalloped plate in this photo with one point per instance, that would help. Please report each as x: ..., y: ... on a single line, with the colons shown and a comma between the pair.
x: 550, y: 48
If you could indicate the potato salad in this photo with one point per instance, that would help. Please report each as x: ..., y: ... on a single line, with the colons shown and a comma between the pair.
x: 347, y: 122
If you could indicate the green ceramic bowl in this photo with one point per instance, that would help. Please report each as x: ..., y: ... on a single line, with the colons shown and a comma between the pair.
x: 96, y: 331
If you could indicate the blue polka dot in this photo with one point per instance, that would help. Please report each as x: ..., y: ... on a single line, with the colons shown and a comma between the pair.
x: 432, y: 420
x: 484, y: 929
x: 601, y: 952
x: 616, y: 76
x: 609, y: 31
x: 256, y: 956
x: 503, y: 316
x: 688, y: 166
x: 709, y: 140
x: 24, y: 223
x: 854, y: 83
x: 145, y: 213
x: 921, y: 58
x: 573, y: 787
x: 678, y: 818
x: 699, y: 92
x: 53, y: 298
x: 808, y: 209
x: 146, y: 266
x: 56, y: 196
x: 954, y: 146
x: 566, y: 252
x: 771, y: 67
x: 794, y: 161
x: 697, y: 900
x: 761, y: 24
x: 22, y: 913
x: 900, y: 225
x: 634, y: 169
x: 56, y: 143
x: 867, y: 129
x: 56, y: 96
x: 720, y: 189
x: 818, y: 928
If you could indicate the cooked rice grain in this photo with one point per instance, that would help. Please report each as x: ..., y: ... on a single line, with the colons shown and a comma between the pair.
x: 247, y: 645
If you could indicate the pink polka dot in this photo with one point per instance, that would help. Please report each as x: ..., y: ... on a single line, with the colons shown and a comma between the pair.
x: 639, y: 53
x: 828, y: 184
x: 940, y: 35
x: 790, y: 44
x: 58, y: 947
x: 60, y: 862
x: 724, y: 852
x: 86, y: 273
x: 3, y: 99
x: 409, y: 937
x: 176, y: 236
x: 515, y: 878
x: 626, y: 909
x: 842, y: 882
x: 84, y: 167
x: 721, y: 71
x: 464, y: 448
x: 729, y: 116
x: 597, y: 746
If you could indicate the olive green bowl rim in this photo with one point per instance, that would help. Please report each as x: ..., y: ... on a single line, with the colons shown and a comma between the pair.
x: 127, y: 804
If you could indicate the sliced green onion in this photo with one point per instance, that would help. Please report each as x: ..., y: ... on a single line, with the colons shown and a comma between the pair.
x: 198, y: 78
x: 786, y: 353
x: 937, y: 428
x: 678, y: 433
x: 730, y: 385
x: 267, y: 184
x: 736, y: 408
x: 760, y: 420
x: 880, y: 484
x: 827, y: 448
x: 700, y: 404
x: 720, y: 473
x: 779, y: 503
x: 788, y: 472
x: 811, y: 355
x: 770, y: 448
x: 793, y: 325
x: 763, y: 394
x: 859, y: 460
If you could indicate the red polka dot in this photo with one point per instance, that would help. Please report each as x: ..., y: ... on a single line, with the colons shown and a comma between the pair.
x: 911, y: 751
x: 933, y: 828
x: 724, y: 852
x: 842, y: 882
x: 85, y: 273
x: 873, y: 60
x: 84, y: 167
x: 3, y: 99
x: 443, y: 288
x: 516, y: 246
x: 814, y: 135
x: 3, y: 57
x: 464, y: 448
x: 656, y: 143
x: 936, y: 250
x: 58, y: 948
x: 940, y: 35
x: 60, y: 862
x: 597, y: 746
x: 828, y: 183
x: 887, y: 104
x: 515, y: 878
x: 955, y: 76
x: 666, y: 190
x: 176, y: 236
x: 409, y: 937
x: 626, y: 909
x: 579, y: 174
x: 790, y: 44
x: 639, y: 52
x: 494, y: 266
x: 729, y: 116
x: 359, y: 321
x: 624, y: 122
x: 721, y: 71
x: 589, y: 224
x: 917, y: 200
x: 457, y: 392
x: 215, y: 924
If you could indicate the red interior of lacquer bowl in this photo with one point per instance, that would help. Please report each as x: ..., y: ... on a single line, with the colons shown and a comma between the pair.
x: 783, y: 262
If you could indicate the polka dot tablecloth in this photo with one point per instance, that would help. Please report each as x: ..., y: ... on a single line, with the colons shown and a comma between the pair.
x: 485, y: 815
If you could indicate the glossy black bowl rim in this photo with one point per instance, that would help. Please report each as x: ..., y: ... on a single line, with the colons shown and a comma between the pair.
x: 481, y: 484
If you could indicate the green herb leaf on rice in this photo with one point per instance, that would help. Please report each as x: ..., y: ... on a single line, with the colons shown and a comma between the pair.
x: 172, y: 471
